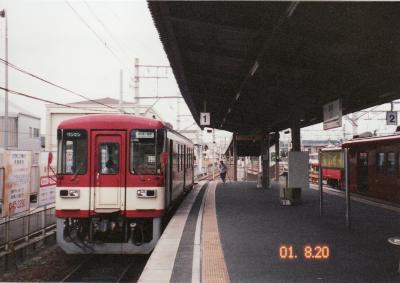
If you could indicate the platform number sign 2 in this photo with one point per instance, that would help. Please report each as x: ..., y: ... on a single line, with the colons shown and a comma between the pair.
x: 391, y: 118
x: 205, y: 118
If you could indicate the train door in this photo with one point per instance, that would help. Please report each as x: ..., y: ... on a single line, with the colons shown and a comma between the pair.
x: 170, y: 171
x: 362, y: 171
x: 108, y: 165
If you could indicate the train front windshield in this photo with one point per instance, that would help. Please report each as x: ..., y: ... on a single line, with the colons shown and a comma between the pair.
x: 146, y: 147
x: 72, y: 150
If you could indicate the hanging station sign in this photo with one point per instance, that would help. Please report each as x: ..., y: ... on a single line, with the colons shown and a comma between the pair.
x: 332, y: 114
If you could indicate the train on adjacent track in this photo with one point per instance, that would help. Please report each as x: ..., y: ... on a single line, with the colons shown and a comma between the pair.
x: 374, y: 167
x: 117, y: 176
x: 332, y: 176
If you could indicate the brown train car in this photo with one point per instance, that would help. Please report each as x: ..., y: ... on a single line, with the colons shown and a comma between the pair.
x: 374, y: 167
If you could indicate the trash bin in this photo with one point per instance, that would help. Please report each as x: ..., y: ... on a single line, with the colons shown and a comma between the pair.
x: 290, y: 196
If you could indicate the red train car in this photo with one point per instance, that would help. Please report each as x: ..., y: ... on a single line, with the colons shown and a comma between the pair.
x: 117, y: 176
x: 374, y: 167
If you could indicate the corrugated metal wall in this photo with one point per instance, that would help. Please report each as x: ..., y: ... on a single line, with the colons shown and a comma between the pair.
x: 12, y: 131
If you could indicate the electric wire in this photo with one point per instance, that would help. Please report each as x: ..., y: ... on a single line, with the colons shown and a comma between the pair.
x: 118, y: 18
x: 51, y: 102
x: 120, y: 45
x: 101, y: 40
x: 54, y: 84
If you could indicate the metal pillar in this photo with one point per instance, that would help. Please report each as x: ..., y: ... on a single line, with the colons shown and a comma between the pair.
x: 346, y: 178
x: 265, y: 161
x: 276, y: 156
x: 235, y: 157
x: 296, y: 141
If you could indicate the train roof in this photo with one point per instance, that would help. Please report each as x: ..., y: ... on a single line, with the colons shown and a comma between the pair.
x: 358, y: 141
x: 331, y: 148
x: 111, y: 121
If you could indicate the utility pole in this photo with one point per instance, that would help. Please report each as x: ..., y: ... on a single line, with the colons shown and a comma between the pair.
x: 4, y: 15
x: 178, y: 119
x: 136, y: 80
x: 121, y: 77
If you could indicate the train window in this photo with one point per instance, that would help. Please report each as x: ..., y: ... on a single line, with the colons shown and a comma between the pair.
x: 108, y: 158
x: 146, y: 147
x: 380, y: 163
x: 398, y: 163
x: 73, y: 147
x: 179, y: 157
x: 363, y: 159
x: 391, y: 163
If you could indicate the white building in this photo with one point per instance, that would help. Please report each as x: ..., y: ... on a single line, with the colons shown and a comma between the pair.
x: 23, y: 131
x: 55, y: 114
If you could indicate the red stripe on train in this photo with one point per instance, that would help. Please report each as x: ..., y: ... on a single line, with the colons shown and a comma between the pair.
x: 146, y: 213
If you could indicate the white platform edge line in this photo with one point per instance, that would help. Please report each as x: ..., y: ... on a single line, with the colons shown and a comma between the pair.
x: 196, y: 263
x: 162, y: 260
x: 357, y: 199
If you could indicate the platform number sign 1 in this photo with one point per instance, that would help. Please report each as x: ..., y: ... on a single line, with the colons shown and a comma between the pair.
x: 391, y: 118
x: 205, y: 118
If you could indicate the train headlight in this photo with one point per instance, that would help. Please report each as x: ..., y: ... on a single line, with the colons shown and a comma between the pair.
x: 69, y: 193
x: 146, y: 193
x: 73, y: 193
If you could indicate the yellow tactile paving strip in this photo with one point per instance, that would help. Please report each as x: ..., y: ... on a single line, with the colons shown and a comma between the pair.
x: 213, y: 261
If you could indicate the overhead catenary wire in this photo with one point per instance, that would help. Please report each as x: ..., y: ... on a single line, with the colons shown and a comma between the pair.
x: 120, y: 45
x: 54, y: 84
x: 101, y: 40
x: 137, y: 40
x: 51, y: 102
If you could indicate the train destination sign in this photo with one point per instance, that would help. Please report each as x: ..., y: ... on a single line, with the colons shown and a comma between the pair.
x: 145, y: 135
x: 333, y: 114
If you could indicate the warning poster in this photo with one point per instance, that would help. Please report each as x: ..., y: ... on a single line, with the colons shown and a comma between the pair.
x: 17, y: 175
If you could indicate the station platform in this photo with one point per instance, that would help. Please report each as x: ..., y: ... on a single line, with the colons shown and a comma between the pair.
x: 235, y: 232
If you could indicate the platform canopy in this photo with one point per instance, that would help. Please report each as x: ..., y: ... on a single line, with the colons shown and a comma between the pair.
x: 264, y: 66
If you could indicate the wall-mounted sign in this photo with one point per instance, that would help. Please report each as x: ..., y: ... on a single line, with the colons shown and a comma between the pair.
x: 391, y: 118
x: 333, y: 114
x: 205, y: 119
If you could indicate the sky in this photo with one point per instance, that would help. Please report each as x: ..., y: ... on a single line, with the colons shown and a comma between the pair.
x: 83, y: 45
x: 50, y: 39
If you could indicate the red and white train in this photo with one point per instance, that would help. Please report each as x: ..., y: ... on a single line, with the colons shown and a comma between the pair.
x: 117, y: 177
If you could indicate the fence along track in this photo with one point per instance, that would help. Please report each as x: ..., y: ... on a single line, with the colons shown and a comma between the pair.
x: 27, y: 229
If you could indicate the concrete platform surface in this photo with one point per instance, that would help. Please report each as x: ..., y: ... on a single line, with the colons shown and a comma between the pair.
x: 253, y: 226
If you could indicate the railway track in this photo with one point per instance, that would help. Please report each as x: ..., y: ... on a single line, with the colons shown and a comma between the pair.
x: 108, y: 268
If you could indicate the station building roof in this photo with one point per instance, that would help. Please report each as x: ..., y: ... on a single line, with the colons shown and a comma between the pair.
x: 264, y: 66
